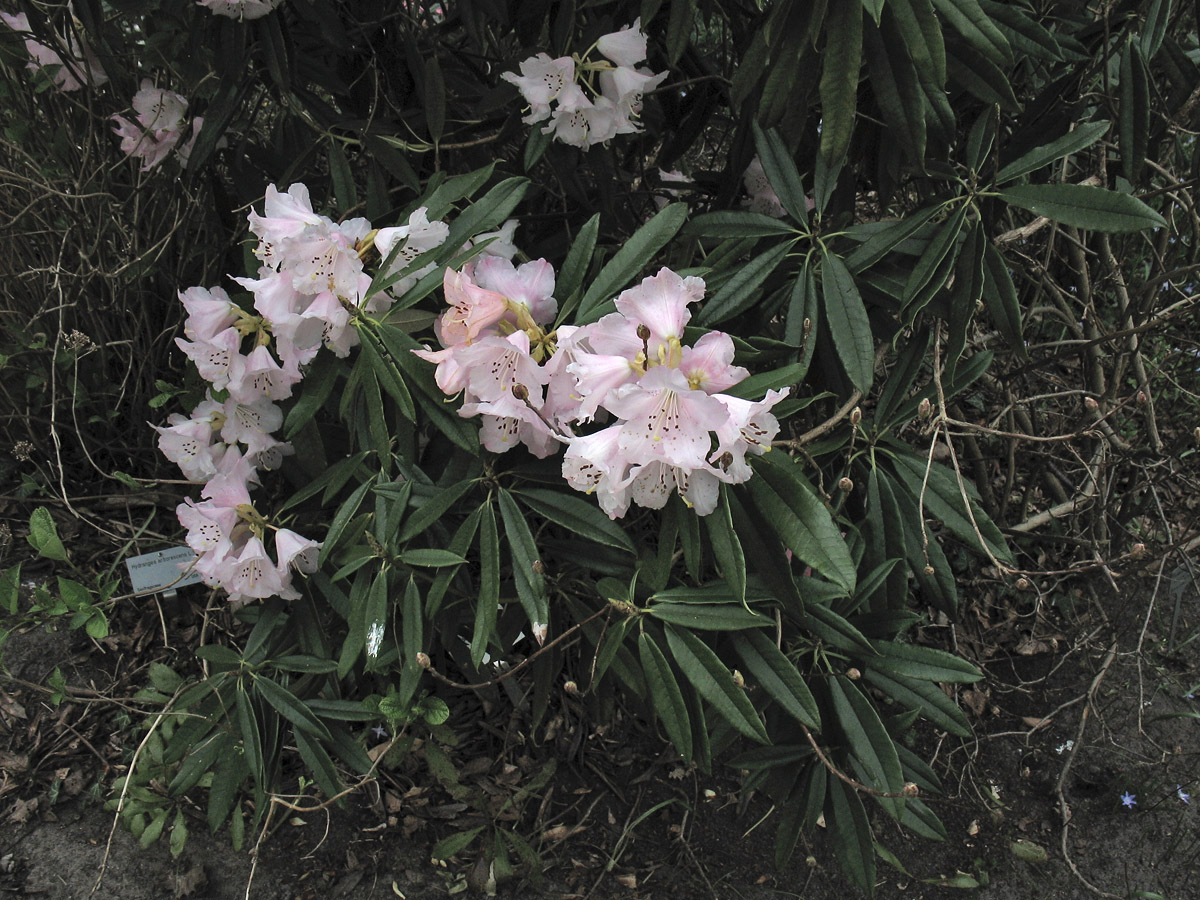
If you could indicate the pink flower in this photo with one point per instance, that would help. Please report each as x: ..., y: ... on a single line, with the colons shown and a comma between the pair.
x: 240, y: 9
x: 210, y: 311
x: 530, y: 284
x: 626, y: 47
x: 541, y: 81
x: 473, y: 310
x: 160, y: 124
x: 214, y: 357
x: 666, y: 420
x: 67, y: 73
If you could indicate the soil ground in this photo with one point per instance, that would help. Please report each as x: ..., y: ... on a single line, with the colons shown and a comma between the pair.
x: 1086, y: 699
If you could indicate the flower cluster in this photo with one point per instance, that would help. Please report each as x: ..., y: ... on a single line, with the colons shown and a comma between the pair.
x: 669, y: 426
x: 68, y: 73
x: 159, y: 128
x: 309, y: 287
x: 244, y: 10
x: 585, y: 110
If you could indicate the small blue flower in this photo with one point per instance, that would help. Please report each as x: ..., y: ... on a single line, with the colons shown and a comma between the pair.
x: 380, y: 732
x: 1129, y: 800
x: 1181, y: 794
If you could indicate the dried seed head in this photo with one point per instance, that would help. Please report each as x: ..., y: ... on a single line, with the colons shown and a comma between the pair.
x: 520, y: 392
x: 23, y: 451
x: 1137, y: 551
x: 643, y: 332
x: 1142, y: 399
x: 1090, y: 403
x: 1023, y: 584
x: 929, y: 570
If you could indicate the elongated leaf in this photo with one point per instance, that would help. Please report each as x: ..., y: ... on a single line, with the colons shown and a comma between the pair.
x: 868, y: 741
x: 317, y: 761
x: 727, y: 548
x: 708, y: 616
x: 922, y: 32
x: 778, y: 676
x: 679, y: 28
x: 576, y: 515
x: 923, y: 696
x: 743, y: 289
x: 781, y: 172
x: 531, y: 585
x: 1084, y: 206
x: 850, y: 832
x: 983, y: 78
x: 290, y: 706
x: 1080, y: 138
x: 883, y: 241
x: 627, y: 262
x: 435, y: 99
x: 834, y: 629
x: 1025, y: 35
x: 839, y: 78
x: 791, y: 508
x: 1133, y: 125
x: 923, y: 281
x: 248, y: 731
x: 487, y: 604
x: 897, y: 89
x: 965, y: 293
x: 579, y: 258
x: 977, y: 29
x: 378, y: 358
x: 712, y: 678
x: 435, y: 403
x: 1158, y: 17
x: 665, y: 696
x: 942, y: 497
x: 341, y: 519
x: 925, y: 663
x: 1000, y: 298
x: 846, y: 316
x: 431, y: 557
x: 737, y: 223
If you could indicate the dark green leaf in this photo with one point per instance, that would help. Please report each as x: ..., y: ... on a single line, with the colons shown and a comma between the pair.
x: 576, y: 515
x: 726, y: 546
x: 713, y: 680
x: 839, y: 78
x: 846, y: 316
x: 627, y: 262
x: 1084, y: 206
x: 1000, y: 298
x: 868, y: 741
x: 778, y: 676
x: 850, y: 832
x: 665, y: 696
x: 791, y: 508
x: 737, y: 224
x: 1133, y: 125
x: 487, y: 604
x: 977, y: 29
x: 435, y: 99
x: 579, y: 258
x: 290, y: 706
x: 1082, y: 137
x: 526, y: 562
x: 780, y: 169
x: 743, y: 289
x: 431, y: 558
x: 923, y: 663
x: 923, y: 696
x: 708, y: 616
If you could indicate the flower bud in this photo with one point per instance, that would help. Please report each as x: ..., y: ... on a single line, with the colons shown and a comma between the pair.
x: 539, y: 568
x: 571, y: 688
x: 1023, y: 584
x: 424, y: 661
x: 1196, y: 435
x: 929, y: 570
x: 924, y: 409
x: 853, y: 674
x: 1142, y: 399
x: 738, y: 679
x: 807, y: 326
x: 855, y: 415
x: 520, y: 392
x: 910, y: 789
x: 1137, y: 551
x: 845, y: 485
x: 1090, y: 403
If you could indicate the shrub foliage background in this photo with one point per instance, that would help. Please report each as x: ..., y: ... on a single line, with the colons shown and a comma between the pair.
x: 975, y: 292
